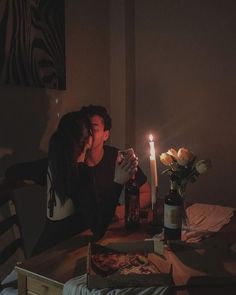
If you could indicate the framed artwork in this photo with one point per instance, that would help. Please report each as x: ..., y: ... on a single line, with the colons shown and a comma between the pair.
x: 32, y: 43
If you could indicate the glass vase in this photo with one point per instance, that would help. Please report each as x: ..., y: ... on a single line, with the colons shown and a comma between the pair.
x: 185, y: 218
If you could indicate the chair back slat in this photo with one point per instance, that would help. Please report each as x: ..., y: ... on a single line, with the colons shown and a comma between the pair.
x: 8, y: 223
x: 5, y: 196
x: 11, y: 243
x: 7, y: 252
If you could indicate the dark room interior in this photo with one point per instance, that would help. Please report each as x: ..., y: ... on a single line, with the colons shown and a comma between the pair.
x: 159, y: 67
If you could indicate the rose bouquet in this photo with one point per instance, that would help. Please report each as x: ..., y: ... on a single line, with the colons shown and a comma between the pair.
x: 183, y: 168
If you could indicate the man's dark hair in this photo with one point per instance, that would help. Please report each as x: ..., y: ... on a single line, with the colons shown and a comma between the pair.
x: 92, y: 110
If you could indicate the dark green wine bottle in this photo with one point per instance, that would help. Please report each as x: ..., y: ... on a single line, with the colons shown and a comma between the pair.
x: 132, y: 205
x: 173, y: 214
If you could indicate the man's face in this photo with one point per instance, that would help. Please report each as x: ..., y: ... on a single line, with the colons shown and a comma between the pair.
x: 99, y: 134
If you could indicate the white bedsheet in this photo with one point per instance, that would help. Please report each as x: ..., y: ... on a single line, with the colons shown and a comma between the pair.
x: 78, y: 286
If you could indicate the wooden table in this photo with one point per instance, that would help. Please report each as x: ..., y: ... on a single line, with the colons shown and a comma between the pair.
x: 47, y: 272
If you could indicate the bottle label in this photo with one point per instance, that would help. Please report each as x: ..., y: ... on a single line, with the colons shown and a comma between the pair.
x: 172, y: 216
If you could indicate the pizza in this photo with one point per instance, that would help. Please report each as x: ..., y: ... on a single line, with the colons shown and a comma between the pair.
x: 130, y: 263
x: 139, y: 264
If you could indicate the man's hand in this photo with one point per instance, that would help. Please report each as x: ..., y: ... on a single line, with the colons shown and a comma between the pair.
x: 125, y: 168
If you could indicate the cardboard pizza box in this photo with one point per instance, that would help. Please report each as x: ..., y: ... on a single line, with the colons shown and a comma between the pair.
x: 153, y: 250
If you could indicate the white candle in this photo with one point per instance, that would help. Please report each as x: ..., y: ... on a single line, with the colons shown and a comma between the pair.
x: 153, y: 169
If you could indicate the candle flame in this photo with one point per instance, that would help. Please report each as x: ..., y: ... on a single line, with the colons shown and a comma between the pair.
x: 151, y: 137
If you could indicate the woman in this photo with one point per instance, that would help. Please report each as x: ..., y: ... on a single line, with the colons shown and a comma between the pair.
x: 66, y: 177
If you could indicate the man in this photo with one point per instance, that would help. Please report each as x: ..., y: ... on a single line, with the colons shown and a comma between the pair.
x: 102, y: 158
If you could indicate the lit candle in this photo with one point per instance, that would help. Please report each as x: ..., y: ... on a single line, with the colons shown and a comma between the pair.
x: 153, y: 169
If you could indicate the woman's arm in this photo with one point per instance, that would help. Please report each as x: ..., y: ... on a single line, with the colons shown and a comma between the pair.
x: 35, y: 171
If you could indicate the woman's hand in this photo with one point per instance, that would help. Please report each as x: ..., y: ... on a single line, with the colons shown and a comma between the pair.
x: 125, y: 168
x: 87, y: 146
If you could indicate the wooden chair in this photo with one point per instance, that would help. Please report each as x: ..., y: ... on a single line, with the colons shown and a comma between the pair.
x: 11, y: 244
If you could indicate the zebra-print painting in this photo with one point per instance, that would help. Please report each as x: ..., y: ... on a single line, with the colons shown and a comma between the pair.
x: 32, y: 43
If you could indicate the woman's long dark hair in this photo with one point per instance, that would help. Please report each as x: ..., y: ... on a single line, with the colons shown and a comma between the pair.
x: 65, y: 145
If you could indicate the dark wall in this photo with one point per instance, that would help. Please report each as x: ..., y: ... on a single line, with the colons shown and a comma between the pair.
x: 23, y: 120
x: 185, y: 88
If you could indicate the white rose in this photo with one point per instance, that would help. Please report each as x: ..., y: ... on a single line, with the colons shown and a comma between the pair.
x: 173, y: 153
x: 166, y: 159
x: 184, y: 156
x: 202, y: 166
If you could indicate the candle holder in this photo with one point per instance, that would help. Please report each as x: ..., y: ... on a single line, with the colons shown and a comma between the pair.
x: 155, y: 225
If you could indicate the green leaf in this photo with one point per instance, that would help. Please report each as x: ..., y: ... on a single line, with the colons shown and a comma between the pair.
x: 166, y: 170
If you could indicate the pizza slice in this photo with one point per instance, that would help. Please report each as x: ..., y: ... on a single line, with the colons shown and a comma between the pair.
x: 109, y: 262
